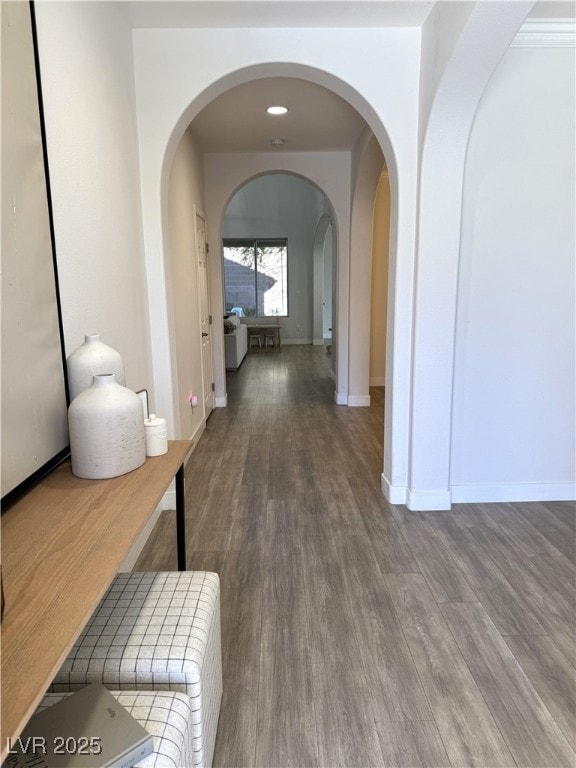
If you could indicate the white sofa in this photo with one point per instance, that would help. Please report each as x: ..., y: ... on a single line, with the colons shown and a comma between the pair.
x: 235, y: 347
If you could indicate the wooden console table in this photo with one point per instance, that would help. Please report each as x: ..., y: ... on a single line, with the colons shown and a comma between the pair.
x: 62, y: 545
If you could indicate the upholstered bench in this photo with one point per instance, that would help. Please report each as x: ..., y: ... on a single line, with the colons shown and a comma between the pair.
x: 160, y: 632
x: 165, y: 715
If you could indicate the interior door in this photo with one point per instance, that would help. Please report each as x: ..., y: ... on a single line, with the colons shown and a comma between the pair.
x: 205, y: 316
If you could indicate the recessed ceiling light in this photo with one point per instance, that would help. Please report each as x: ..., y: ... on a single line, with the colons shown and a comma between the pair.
x: 277, y: 110
x: 278, y: 142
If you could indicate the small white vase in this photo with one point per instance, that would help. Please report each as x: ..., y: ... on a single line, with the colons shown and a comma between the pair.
x: 156, y: 435
x: 91, y: 358
x: 106, y: 425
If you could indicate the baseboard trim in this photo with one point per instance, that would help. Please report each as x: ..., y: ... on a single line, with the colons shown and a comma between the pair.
x: 512, y: 492
x: 138, y: 546
x: 286, y: 342
x: 378, y: 381
x: 358, y: 401
x: 318, y: 342
x: 428, y: 501
x: 169, y: 499
x: 394, y: 494
x: 221, y: 402
x: 340, y: 399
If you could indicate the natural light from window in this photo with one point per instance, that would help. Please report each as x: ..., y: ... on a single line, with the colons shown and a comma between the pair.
x: 256, y: 277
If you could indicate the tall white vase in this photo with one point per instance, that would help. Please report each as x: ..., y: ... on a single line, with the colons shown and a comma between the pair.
x: 92, y: 357
x: 106, y: 425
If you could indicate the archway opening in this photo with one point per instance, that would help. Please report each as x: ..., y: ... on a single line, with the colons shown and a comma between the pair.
x: 226, y: 172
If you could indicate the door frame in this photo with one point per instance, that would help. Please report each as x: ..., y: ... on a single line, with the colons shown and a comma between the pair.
x: 207, y: 377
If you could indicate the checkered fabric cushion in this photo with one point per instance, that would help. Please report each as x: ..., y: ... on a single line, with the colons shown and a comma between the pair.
x: 156, y: 631
x: 165, y: 715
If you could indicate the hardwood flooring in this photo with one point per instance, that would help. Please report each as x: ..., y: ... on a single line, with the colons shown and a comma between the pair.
x: 356, y: 633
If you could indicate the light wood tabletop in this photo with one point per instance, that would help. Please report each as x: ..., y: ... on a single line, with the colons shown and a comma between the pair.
x: 62, y: 545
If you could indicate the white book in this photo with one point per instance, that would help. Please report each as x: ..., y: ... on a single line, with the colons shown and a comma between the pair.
x: 88, y: 729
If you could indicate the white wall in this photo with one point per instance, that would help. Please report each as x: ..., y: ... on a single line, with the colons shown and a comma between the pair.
x: 281, y: 205
x: 513, y: 420
x: 88, y: 88
x: 185, y: 193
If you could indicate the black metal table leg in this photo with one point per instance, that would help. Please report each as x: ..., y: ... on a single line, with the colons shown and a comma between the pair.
x: 180, y: 520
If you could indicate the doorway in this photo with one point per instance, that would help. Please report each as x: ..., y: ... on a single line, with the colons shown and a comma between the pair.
x: 292, y: 210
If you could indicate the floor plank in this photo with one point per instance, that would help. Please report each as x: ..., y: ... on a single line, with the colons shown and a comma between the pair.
x: 510, y: 609
x: 286, y: 732
x: 394, y: 686
x: 410, y: 744
x: 531, y: 732
x: 552, y: 677
x: 345, y: 725
x: 470, y: 735
x: 443, y: 574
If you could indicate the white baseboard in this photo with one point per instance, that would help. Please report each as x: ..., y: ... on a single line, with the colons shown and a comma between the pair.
x: 358, y: 401
x: 317, y: 342
x: 169, y: 499
x: 138, y: 546
x: 394, y: 494
x: 428, y: 501
x: 286, y: 342
x: 340, y: 399
x: 377, y: 381
x: 197, y: 434
x: 513, y: 492
x: 422, y: 501
x: 221, y: 402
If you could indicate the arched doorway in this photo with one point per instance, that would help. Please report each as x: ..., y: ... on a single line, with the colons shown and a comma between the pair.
x: 290, y: 207
x: 334, y: 175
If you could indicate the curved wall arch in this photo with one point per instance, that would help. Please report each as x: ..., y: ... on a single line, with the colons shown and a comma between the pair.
x: 388, y: 100
x: 486, y: 34
x: 299, y: 209
x: 352, y: 361
x: 328, y: 171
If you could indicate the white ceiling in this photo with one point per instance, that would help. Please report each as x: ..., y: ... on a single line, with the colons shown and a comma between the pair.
x: 318, y: 119
x: 280, y: 13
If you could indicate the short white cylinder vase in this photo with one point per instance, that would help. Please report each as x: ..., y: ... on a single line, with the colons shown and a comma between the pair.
x: 91, y: 358
x: 156, y: 435
x: 106, y: 426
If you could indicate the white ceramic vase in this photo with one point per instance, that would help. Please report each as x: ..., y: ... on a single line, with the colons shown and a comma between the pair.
x: 91, y: 358
x: 106, y: 426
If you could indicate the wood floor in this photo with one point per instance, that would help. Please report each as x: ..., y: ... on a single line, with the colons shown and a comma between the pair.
x: 356, y: 633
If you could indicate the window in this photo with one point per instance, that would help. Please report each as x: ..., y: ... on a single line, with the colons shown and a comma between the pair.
x: 256, y: 277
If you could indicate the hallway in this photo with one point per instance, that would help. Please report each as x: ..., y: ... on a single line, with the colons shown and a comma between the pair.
x: 360, y: 634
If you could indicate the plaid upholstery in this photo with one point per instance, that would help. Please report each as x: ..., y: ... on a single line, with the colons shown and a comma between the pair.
x: 156, y: 631
x: 165, y: 715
